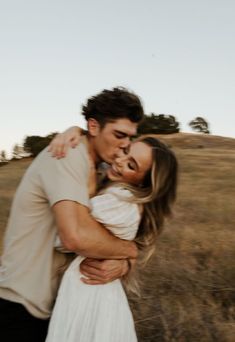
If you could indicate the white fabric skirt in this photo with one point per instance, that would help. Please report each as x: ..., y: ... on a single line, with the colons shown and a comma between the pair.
x: 90, y: 313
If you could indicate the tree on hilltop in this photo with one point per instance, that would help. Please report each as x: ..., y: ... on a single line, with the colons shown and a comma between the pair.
x: 158, y: 124
x: 199, y: 124
x: 18, y: 152
x: 34, y: 144
x: 3, y: 158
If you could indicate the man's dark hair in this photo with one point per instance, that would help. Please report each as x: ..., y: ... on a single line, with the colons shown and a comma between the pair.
x: 110, y: 105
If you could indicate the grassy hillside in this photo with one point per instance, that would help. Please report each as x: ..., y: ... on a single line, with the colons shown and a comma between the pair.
x: 188, y: 290
x: 10, y: 176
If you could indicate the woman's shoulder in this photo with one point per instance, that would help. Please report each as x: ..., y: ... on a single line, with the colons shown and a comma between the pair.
x: 123, y: 194
x: 118, y: 191
x: 114, y: 198
x: 113, y: 208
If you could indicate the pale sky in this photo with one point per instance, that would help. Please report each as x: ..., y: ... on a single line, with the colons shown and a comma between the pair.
x: 178, y: 55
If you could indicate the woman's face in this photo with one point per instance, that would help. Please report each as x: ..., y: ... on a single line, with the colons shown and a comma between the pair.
x: 133, y: 166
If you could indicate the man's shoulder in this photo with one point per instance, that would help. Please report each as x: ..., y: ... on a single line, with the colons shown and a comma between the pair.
x: 75, y: 157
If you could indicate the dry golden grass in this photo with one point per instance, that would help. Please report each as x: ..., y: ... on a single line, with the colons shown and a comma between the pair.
x: 10, y: 176
x: 188, y: 290
x: 189, y: 287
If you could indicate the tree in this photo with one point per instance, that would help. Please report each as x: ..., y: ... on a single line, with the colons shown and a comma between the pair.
x: 199, y: 124
x: 3, y: 158
x: 158, y: 124
x: 17, y: 152
x: 34, y: 144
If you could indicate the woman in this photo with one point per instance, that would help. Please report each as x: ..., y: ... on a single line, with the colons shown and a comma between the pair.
x: 140, y: 191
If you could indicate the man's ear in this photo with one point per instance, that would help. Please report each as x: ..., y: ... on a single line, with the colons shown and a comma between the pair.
x: 93, y: 127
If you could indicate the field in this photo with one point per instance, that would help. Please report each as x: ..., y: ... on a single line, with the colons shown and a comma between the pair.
x: 188, y: 288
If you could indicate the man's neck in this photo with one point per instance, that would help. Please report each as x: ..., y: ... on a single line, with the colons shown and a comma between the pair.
x: 92, y: 152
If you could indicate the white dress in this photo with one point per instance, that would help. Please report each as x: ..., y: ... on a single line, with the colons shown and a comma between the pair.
x: 97, y: 313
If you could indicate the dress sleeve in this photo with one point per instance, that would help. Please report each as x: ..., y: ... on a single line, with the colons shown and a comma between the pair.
x: 118, y: 215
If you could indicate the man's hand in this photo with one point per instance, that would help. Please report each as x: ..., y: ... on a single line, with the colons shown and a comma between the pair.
x: 63, y: 141
x: 103, y: 271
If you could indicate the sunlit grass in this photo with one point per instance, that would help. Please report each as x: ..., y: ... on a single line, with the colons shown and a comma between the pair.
x: 10, y: 176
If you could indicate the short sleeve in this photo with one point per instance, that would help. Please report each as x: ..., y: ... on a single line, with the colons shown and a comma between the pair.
x: 66, y: 178
x: 117, y: 214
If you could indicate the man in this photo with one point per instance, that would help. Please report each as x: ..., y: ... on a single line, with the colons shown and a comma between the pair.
x: 53, y: 197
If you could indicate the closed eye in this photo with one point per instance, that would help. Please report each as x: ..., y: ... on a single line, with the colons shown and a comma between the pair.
x: 131, y: 166
x: 120, y: 135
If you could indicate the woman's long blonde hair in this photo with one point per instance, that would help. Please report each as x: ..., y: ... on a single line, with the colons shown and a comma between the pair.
x: 156, y: 195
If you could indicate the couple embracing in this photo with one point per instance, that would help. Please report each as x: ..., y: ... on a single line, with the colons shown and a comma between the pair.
x: 72, y: 242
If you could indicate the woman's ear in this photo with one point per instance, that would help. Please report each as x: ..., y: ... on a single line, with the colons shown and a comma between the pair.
x: 93, y: 127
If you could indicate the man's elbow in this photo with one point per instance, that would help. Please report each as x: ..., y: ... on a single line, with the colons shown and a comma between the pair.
x: 75, y: 243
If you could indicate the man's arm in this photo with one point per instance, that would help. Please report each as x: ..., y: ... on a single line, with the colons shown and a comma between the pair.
x: 63, y: 141
x: 80, y: 233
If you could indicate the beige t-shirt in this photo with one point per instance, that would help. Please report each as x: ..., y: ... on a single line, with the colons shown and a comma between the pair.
x: 29, y: 272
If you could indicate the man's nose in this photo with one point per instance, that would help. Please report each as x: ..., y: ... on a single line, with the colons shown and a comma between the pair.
x: 121, y: 153
x: 120, y: 157
x: 119, y: 161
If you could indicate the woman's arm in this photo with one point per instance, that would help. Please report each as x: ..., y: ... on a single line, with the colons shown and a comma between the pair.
x: 63, y: 141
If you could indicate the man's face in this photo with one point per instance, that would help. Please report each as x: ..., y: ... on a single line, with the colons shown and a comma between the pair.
x: 113, y: 137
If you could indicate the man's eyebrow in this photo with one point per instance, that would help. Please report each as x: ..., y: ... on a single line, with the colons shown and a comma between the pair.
x: 121, y: 133
x: 124, y: 134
